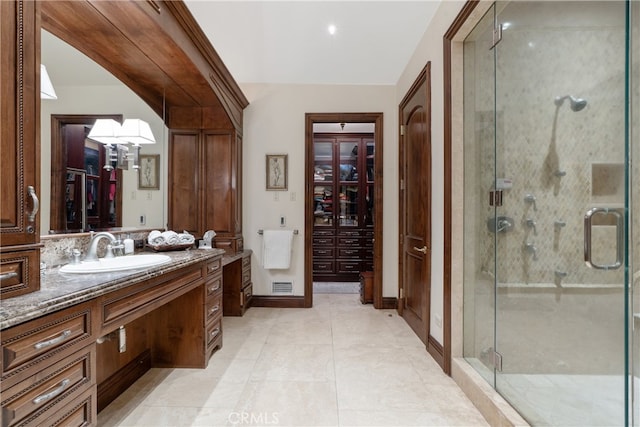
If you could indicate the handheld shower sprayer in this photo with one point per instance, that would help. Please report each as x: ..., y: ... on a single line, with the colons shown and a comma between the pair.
x: 577, y: 104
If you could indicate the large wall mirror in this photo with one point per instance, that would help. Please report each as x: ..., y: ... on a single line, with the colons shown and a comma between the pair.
x: 85, y: 90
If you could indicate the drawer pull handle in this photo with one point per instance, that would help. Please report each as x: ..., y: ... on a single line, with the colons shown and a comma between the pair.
x: 215, y: 332
x: 53, y: 393
x: 214, y: 287
x: 7, y: 276
x: 52, y: 341
x: 214, y: 309
x: 214, y: 267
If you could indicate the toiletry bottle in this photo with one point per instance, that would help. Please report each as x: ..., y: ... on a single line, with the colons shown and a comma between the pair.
x: 128, y: 245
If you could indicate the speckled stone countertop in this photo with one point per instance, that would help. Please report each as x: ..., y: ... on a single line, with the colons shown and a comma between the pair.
x: 60, y: 290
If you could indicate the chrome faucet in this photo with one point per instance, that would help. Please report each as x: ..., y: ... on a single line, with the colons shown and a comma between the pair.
x: 92, y: 252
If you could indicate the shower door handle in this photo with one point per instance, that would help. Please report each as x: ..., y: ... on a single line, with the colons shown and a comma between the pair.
x: 619, y: 238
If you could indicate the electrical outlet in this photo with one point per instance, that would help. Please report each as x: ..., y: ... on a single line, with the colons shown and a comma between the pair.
x: 276, y: 195
x: 149, y: 195
x: 292, y: 196
x: 133, y: 195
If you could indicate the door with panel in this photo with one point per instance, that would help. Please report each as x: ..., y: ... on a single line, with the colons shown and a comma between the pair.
x: 415, y: 207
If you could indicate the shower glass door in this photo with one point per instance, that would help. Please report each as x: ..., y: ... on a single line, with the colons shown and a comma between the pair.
x: 548, y: 309
x: 561, y: 317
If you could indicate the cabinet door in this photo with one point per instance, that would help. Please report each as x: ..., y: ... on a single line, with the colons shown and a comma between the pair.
x: 220, y: 191
x: 19, y: 123
x: 184, y: 185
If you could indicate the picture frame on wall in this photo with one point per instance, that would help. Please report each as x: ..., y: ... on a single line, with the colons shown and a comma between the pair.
x: 277, y: 172
x: 149, y: 172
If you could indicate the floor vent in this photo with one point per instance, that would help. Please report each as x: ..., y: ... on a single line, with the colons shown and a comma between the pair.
x: 282, y: 288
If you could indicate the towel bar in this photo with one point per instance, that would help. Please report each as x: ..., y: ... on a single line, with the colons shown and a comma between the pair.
x: 262, y: 231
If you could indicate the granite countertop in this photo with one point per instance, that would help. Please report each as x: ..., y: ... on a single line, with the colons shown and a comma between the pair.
x: 60, y: 290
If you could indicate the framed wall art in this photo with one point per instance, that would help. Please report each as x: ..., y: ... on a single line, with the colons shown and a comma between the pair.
x: 277, y: 172
x: 149, y: 173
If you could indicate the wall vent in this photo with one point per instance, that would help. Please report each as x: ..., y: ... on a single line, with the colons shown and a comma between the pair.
x: 282, y: 288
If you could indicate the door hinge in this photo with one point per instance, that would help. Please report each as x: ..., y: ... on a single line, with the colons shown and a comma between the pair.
x: 495, y: 198
x: 497, y: 361
x: 497, y: 35
x: 401, y: 239
x: 401, y: 130
x: 401, y: 294
x: 402, y: 184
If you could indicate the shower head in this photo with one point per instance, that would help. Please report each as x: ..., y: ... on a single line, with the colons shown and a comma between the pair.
x: 577, y: 104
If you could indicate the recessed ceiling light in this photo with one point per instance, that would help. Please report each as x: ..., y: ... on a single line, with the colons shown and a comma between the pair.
x: 332, y: 29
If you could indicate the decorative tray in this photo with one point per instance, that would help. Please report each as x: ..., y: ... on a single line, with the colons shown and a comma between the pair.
x: 166, y: 248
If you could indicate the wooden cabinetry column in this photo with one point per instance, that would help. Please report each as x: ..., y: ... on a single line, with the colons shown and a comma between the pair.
x: 20, y: 147
x: 205, y: 175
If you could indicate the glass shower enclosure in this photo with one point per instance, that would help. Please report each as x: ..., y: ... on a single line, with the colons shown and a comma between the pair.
x: 551, y: 129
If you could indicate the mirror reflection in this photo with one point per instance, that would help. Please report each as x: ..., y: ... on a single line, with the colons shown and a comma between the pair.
x: 85, y: 195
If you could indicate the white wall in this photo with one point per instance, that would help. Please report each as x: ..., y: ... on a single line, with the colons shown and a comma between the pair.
x: 108, y: 100
x: 430, y: 49
x: 274, y: 123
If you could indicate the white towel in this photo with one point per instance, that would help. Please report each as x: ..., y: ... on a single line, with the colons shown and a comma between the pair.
x: 171, y: 237
x: 276, y: 249
x: 155, y: 238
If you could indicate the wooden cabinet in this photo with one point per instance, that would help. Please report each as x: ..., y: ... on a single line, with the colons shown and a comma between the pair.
x: 48, y: 369
x: 20, y: 146
x: 343, y: 206
x: 238, y: 288
x: 205, y: 185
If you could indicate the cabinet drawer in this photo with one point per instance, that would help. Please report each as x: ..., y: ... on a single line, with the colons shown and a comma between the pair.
x: 323, y: 233
x: 348, y: 266
x: 323, y: 266
x: 328, y: 241
x: 53, y: 386
x: 19, y: 273
x: 46, y: 339
x: 214, y: 266
x: 348, y: 253
x: 323, y: 252
x: 348, y: 233
x: 246, y: 263
x: 214, y: 332
x: 79, y: 412
x: 214, y: 286
x: 348, y: 241
x: 246, y: 277
x: 135, y: 301
x: 213, y: 308
x: 246, y: 294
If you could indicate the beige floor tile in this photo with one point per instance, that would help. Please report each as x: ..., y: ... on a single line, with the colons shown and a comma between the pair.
x: 340, y: 363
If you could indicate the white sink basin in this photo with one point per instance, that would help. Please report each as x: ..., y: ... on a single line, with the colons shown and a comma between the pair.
x: 122, y: 263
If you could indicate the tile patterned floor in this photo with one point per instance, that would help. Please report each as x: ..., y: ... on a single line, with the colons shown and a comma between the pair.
x: 303, y: 367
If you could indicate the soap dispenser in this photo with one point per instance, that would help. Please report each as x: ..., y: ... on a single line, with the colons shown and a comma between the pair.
x: 128, y: 245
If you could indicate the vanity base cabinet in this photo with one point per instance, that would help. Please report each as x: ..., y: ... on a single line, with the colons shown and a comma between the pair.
x: 238, y: 288
x: 49, y: 369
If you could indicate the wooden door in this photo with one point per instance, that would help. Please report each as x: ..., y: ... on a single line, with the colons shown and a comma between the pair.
x: 415, y: 206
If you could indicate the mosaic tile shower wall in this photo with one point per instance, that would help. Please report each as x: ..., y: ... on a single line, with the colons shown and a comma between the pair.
x: 561, y: 162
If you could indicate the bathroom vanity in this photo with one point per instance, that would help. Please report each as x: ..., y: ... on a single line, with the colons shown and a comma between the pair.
x: 72, y: 347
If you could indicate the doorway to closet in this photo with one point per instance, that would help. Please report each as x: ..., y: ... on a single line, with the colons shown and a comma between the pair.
x: 343, y: 205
